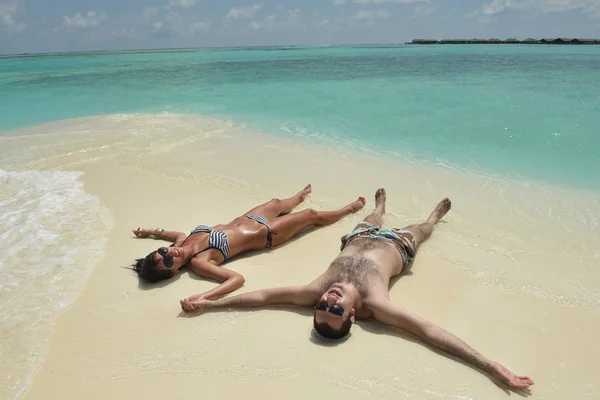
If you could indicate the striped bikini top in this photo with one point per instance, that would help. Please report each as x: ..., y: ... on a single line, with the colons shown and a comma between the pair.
x: 216, y: 240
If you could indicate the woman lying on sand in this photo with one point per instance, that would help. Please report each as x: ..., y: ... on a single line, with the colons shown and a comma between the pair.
x: 207, y: 247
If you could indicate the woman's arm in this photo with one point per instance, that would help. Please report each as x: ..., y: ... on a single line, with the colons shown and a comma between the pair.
x: 230, y: 280
x: 170, y: 236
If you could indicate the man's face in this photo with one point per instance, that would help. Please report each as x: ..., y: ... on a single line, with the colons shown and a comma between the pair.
x: 335, y: 307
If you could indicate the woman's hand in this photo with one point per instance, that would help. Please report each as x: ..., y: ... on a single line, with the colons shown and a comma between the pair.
x: 142, y: 233
x: 194, y: 303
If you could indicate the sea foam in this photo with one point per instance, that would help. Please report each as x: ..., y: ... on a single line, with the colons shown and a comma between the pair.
x: 51, y: 235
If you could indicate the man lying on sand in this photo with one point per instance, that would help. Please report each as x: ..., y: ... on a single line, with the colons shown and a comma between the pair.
x: 268, y: 225
x: 356, y: 286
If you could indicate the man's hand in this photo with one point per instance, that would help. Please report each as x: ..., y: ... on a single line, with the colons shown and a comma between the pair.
x: 504, y: 375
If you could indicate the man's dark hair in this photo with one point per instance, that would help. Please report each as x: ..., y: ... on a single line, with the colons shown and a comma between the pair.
x: 148, y: 269
x: 328, y: 332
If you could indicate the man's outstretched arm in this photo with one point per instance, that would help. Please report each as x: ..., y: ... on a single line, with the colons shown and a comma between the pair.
x: 388, y: 314
x: 291, y: 295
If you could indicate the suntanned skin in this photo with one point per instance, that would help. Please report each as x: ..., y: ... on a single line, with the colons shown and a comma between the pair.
x: 244, y: 235
x: 358, y: 280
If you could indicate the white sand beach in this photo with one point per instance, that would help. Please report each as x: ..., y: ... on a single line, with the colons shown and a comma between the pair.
x: 512, y: 270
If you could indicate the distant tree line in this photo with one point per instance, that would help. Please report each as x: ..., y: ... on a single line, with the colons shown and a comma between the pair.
x: 507, y: 41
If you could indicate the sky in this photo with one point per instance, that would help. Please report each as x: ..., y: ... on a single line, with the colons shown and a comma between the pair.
x: 34, y: 26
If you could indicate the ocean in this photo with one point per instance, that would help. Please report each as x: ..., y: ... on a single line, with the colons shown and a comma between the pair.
x: 528, y: 114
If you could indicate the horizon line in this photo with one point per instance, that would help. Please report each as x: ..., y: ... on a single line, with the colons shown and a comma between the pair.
x: 405, y: 43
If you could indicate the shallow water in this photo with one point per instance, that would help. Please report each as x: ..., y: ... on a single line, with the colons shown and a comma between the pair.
x: 525, y: 111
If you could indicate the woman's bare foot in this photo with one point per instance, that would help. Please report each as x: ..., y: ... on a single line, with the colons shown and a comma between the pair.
x: 285, y: 206
x: 380, y: 198
x: 440, y: 210
x: 357, y: 205
x: 305, y: 192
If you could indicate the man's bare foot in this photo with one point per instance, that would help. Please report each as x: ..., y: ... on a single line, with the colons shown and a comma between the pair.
x: 305, y: 192
x: 440, y: 210
x: 357, y: 205
x: 380, y: 198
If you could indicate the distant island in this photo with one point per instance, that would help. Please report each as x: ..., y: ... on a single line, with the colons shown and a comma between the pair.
x: 562, y: 41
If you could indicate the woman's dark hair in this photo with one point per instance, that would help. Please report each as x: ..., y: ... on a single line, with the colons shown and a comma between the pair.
x: 328, y: 332
x: 148, y: 269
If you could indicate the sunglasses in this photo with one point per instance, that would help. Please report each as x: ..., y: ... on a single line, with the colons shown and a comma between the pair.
x: 167, y: 260
x: 334, y: 309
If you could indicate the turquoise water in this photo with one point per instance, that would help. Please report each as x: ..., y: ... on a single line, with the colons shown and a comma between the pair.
x: 530, y: 112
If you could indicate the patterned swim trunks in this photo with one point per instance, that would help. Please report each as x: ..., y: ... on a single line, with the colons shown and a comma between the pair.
x: 404, y: 240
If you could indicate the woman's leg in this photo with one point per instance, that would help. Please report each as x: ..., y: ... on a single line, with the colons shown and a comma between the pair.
x: 286, y: 227
x: 276, y: 207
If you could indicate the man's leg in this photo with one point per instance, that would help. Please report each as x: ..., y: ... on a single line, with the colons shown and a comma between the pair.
x: 276, y: 207
x: 286, y: 227
x: 422, y: 231
x: 376, y: 218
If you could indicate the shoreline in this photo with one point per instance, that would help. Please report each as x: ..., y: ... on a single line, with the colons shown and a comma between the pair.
x: 120, y: 337
x: 350, y: 147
